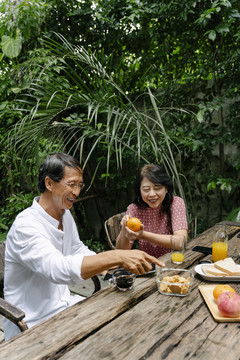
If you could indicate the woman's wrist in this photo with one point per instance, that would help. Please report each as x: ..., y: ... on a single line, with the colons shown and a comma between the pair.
x: 158, y: 239
x: 122, y: 241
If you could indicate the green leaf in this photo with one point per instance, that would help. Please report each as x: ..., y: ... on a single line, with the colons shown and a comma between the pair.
x: 226, y: 186
x: 211, y: 185
x: 222, y: 28
x: 234, y: 215
x: 212, y: 35
x: 235, y: 13
x: 200, y: 116
x: 11, y: 47
x: 196, y: 144
x: 16, y: 90
x: 226, y: 3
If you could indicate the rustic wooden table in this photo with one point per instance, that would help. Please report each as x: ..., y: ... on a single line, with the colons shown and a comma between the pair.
x: 138, y: 324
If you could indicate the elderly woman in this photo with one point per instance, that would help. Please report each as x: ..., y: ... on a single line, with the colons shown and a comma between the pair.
x: 163, y: 215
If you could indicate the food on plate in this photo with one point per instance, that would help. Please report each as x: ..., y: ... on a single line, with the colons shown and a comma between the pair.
x: 229, y: 304
x: 175, y: 284
x: 219, y: 289
x: 212, y: 271
x: 226, y: 267
x: 134, y: 224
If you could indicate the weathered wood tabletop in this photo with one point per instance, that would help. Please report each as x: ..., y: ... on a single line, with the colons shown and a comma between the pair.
x: 137, y: 324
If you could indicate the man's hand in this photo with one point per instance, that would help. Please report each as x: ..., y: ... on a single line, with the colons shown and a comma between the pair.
x: 137, y: 261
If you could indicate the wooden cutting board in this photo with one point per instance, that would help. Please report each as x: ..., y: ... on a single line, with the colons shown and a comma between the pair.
x: 207, y: 293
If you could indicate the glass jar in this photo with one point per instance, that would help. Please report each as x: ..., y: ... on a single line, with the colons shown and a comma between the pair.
x: 220, y: 243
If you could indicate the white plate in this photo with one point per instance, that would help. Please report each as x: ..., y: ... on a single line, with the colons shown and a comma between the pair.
x: 199, y: 271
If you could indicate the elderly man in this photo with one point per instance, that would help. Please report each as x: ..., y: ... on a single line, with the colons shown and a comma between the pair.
x: 44, y: 253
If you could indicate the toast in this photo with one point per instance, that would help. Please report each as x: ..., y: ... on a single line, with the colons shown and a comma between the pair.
x: 212, y: 271
x: 228, y: 266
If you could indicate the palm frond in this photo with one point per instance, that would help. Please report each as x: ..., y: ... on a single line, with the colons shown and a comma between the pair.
x: 107, y: 120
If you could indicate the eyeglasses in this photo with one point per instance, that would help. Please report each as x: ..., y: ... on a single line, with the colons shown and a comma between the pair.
x: 74, y: 185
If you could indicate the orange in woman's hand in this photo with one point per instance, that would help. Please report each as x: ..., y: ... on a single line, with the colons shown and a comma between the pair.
x: 134, y: 224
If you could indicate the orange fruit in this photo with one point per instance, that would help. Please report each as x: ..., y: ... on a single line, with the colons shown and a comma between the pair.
x: 134, y: 224
x: 219, y: 289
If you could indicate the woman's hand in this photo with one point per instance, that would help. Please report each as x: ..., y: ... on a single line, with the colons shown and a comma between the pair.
x: 124, y: 220
x: 177, y: 241
x: 129, y: 234
x: 133, y: 235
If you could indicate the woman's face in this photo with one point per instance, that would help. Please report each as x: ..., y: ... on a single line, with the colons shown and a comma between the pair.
x: 152, y: 194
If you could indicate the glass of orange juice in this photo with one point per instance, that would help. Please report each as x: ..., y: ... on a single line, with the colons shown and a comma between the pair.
x: 178, y: 251
x: 220, y: 243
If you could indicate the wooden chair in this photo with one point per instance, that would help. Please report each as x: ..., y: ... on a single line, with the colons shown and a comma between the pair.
x: 13, y: 313
x: 112, y: 228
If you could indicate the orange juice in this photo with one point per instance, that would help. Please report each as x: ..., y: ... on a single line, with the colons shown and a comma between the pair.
x: 219, y: 251
x: 177, y: 257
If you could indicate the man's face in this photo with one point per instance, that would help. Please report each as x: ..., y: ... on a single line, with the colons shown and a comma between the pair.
x: 65, y: 192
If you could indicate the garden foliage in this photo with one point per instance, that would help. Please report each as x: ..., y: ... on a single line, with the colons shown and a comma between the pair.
x: 118, y: 84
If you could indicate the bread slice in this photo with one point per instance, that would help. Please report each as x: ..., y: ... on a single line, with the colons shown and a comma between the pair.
x: 228, y: 266
x: 212, y: 271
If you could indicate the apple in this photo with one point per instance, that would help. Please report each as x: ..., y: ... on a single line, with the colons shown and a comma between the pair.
x: 229, y: 304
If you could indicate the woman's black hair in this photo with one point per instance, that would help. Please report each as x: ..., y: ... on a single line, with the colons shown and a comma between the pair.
x: 157, y: 175
x: 54, y: 166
